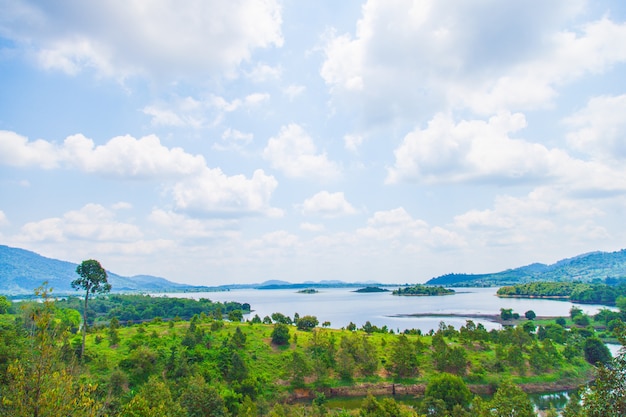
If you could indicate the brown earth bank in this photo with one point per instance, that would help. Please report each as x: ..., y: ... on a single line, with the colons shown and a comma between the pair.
x: 489, y: 317
x: 391, y: 389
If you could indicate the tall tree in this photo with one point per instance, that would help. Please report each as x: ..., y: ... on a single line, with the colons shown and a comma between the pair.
x: 93, y: 279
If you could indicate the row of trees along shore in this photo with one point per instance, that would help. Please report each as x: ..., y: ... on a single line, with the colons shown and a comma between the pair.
x: 216, y: 364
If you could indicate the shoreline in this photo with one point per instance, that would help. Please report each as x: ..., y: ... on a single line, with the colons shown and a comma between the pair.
x: 495, y: 318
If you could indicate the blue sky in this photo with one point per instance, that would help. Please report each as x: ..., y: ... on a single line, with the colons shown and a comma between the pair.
x: 233, y: 142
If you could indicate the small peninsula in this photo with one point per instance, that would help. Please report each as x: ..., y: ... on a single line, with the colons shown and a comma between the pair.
x: 423, y: 290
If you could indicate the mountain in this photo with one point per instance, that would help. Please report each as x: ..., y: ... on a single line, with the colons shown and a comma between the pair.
x: 21, y: 271
x: 588, y: 267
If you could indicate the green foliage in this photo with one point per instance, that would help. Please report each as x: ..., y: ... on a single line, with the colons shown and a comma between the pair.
x: 403, y: 361
x: 530, y: 315
x: 5, y: 304
x: 596, y: 351
x: 419, y: 289
x: 450, y: 389
x: 506, y: 313
x: 307, y: 323
x: 280, y: 334
x: 578, y: 292
x: 606, y: 397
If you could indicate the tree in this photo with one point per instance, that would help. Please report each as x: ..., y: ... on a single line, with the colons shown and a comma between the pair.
x: 307, y: 322
x: 93, y: 279
x: 596, y: 351
x: 530, y: 315
x: 280, y: 334
x: 450, y: 389
x: 510, y: 401
x: 202, y: 400
x: 506, y: 313
x: 5, y: 304
x: 606, y: 397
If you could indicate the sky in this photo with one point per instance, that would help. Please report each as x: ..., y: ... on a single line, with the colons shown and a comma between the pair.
x: 213, y: 142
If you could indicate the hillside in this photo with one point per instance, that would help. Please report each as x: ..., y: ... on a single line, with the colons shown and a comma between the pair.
x: 21, y: 271
x: 589, y: 267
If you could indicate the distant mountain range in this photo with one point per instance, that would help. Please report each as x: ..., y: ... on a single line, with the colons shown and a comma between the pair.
x: 21, y: 271
x: 588, y: 267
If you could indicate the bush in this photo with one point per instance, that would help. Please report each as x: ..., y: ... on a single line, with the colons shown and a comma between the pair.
x: 280, y: 334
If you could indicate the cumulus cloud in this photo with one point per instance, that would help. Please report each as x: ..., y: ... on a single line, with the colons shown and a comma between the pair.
x: 201, y: 112
x: 327, y: 205
x: 211, y: 192
x: 407, y: 57
x: 122, y: 156
x: 545, y: 216
x: 473, y: 150
x: 352, y: 142
x: 294, y: 90
x: 599, y: 129
x: 126, y: 38
x: 294, y: 153
x: 92, y: 222
x: 483, y: 151
x: 233, y: 139
x: 197, y: 188
x: 312, y: 227
x: 399, y: 228
x: 189, y: 228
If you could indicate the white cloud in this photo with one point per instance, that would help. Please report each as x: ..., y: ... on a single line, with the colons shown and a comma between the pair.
x: 125, y: 156
x: 263, y: 72
x: 543, y: 218
x: 294, y: 90
x: 470, y: 151
x: 126, y: 38
x: 401, y: 230
x: 202, y: 112
x: 312, y: 227
x: 211, y: 192
x: 599, y: 129
x: 122, y: 205
x: 407, y: 58
x: 91, y: 223
x: 483, y: 151
x: 353, y: 142
x: 193, y: 228
x: 294, y: 153
x: 327, y: 205
x: 17, y: 150
x: 122, y: 156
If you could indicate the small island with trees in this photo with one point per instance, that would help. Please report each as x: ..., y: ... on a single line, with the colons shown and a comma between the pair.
x: 423, y: 290
x: 308, y: 291
x: 371, y: 289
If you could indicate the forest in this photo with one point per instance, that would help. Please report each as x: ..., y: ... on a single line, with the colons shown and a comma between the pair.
x: 577, y: 292
x: 199, y: 358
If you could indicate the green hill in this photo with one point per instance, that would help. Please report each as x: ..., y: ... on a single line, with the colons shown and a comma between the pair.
x: 589, y: 267
x: 21, y: 271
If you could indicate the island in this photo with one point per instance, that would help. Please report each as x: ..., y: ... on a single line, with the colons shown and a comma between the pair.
x: 423, y: 290
x: 371, y: 289
x: 308, y: 291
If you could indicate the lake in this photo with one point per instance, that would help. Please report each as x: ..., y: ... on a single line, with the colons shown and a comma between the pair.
x: 340, y: 306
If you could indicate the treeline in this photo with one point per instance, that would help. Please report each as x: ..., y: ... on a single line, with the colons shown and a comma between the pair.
x: 419, y: 289
x: 604, y: 294
x: 137, y: 308
x: 219, y: 365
